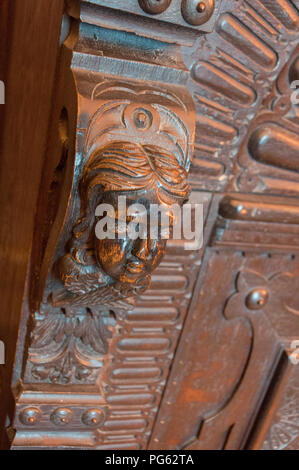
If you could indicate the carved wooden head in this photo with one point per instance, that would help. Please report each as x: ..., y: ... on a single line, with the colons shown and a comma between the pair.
x: 144, y: 174
x: 137, y: 146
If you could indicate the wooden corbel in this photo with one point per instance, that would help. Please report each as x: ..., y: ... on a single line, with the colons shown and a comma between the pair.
x: 123, y: 125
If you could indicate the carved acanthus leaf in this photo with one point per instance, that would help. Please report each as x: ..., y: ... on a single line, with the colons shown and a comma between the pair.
x: 66, y: 345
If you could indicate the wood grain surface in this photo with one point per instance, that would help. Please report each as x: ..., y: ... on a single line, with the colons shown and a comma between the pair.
x: 30, y: 33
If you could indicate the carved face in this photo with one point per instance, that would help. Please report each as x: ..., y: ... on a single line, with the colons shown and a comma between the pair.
x: 126, y: 260
x: 145, y: 174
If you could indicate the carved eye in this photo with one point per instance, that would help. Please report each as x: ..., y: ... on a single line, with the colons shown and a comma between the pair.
x: 142, y: 118
x: 154, y: 7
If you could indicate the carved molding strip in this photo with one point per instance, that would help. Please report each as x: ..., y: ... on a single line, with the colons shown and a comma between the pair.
x: 255, y: 223
x: 181, y: 13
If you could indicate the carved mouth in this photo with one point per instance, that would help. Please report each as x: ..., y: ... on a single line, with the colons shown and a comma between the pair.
x: 135, y: 265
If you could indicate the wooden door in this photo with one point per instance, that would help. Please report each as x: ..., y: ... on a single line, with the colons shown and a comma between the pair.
x: 132, y: 343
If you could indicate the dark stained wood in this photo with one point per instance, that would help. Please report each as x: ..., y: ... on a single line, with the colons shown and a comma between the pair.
x: 130, y: 345
x: 31, y: 45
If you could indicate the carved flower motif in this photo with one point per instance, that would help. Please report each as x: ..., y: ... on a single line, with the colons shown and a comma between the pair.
x: 251, y: 292
x: 277, y: 297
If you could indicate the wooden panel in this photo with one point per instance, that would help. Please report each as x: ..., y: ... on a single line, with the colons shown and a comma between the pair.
x: 239, y: 331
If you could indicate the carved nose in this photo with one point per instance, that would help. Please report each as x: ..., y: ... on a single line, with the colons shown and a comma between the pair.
x: 143, y: 249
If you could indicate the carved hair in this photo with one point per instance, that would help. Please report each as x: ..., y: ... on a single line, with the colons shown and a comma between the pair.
x: 125, y: 166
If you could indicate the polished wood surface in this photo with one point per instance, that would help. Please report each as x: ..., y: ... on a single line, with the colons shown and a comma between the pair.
x: 30, y: 48
x: 146, y: 347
